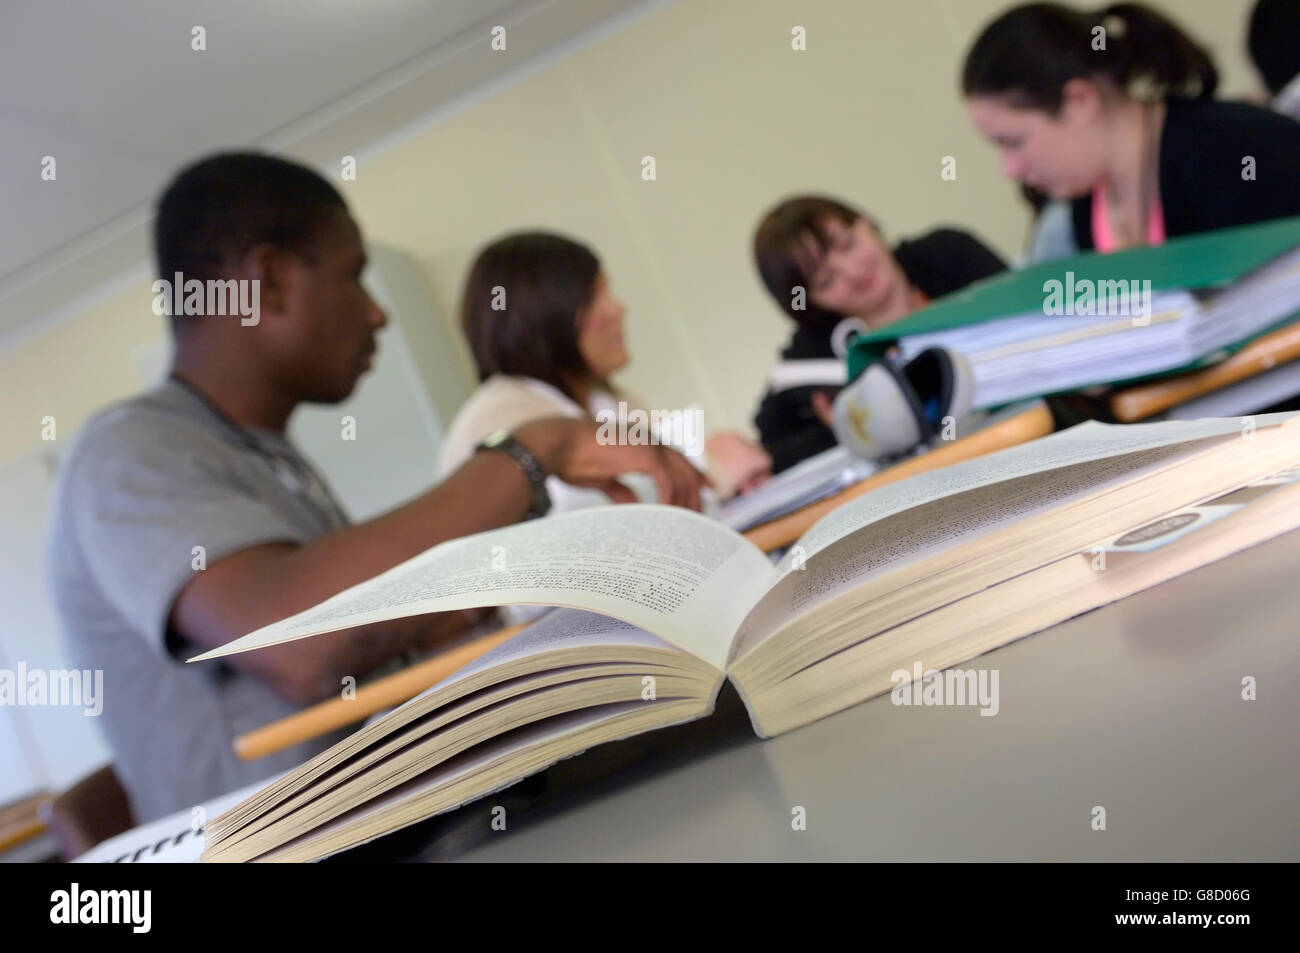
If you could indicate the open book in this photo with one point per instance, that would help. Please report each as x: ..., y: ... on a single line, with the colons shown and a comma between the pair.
x: 917, y: 576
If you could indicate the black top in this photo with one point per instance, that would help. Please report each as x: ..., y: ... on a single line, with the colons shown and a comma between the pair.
x: 1203, y: 148
x: 939, y: 263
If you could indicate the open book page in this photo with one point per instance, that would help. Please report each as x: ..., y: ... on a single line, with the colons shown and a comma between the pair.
x: 484, y: 769
x: 889, y: 544
x: 664, y: 569
x: 570, y: 659
x: 806, y: 482
x: 1087, y: 441
x: 558, y: 629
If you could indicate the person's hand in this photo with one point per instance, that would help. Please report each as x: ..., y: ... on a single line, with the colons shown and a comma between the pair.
x: 739, y: 464
x: 823, y: 407
x: 571, y: 450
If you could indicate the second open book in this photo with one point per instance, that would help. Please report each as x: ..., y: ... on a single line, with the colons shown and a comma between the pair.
x: 916, y: 576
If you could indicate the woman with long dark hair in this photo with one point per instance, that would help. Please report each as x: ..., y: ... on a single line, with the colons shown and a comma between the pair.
x: 1113, y: 110
x: 546, y: 334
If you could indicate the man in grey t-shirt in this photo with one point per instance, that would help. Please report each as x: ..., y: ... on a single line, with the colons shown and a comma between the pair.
x: 184, y: 519
x: 153, y: 491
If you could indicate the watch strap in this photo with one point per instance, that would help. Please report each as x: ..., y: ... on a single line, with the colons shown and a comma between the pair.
x: 503, y: 442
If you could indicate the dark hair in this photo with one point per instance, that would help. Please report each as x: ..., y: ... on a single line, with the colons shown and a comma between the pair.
x: 1030, y: 52
x: 546, y: 280
x: 215, y: 210
x: 778, y: 253
x: 1274, y: 41
x: 1037, y: 200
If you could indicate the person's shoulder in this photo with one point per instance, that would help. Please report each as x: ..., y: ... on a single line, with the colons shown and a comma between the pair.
x: 946, y: 259
x: 807, y: 343
x: 944, y: 244
x: 1227, y: 163
x: 122, y: 437
x: 501, y: 400
x: 1231, y: 111
x: 149, y: 430
x: 499, y: 403
x: 943, y: 238
x: 123, y: 427
x: 1209, y: 122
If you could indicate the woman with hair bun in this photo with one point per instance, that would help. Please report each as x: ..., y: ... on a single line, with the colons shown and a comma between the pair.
x: 1113, y: 111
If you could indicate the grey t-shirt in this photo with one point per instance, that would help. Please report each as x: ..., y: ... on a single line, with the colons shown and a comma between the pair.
x: 145, y: 483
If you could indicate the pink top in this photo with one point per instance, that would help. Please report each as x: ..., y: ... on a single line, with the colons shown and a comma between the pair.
x: 1104, y: 240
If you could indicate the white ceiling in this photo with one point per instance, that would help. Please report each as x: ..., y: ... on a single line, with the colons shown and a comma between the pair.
x: 113, y: 90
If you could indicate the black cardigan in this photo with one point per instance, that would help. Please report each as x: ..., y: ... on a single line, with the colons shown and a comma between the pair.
x: 939, y: 263
x: 1202, y: 150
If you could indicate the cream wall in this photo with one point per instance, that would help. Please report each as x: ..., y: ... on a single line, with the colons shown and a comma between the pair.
x: 734, y: 118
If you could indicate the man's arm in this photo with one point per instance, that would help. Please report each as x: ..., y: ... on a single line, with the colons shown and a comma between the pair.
x: 263, y: 584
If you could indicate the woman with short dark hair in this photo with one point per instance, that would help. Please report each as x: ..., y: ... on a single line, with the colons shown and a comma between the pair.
x: 827, y: 266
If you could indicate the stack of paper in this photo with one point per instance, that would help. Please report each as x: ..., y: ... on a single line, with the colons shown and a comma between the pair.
x: 1105, y: 319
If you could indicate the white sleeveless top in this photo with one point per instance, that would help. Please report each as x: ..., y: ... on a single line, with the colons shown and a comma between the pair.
x: 505, y: 403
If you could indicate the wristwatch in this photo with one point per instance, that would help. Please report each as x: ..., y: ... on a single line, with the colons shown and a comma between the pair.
x: 502, y: 441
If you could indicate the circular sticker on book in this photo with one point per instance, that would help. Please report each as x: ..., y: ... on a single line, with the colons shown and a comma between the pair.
x: 1163, y: 527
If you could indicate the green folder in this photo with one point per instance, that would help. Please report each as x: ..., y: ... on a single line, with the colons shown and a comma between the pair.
x: 1192, y: 262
